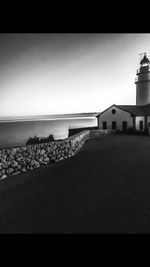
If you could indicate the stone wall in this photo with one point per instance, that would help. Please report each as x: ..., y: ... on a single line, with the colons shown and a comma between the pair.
x: 73, y: 131
x: 21, y: 159
x: 98, y: 133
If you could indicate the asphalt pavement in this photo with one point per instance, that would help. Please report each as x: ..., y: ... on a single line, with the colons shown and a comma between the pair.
x: 104, y: 188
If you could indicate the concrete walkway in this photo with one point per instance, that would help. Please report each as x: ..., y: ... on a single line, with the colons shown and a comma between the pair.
x: 105, y: 188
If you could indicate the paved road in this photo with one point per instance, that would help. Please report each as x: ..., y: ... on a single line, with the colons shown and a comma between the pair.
x: 105, y: 188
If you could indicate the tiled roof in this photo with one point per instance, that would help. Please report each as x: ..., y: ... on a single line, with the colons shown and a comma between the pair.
x: 146, y: 109
x: 133, y: 109
x: 136, y: 110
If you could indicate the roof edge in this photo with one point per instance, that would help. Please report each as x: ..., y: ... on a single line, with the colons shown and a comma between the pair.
x: 105, y: 110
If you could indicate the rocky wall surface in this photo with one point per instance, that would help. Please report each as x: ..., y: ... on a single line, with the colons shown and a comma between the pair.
x: 21, y: 159
x: 97, y: 133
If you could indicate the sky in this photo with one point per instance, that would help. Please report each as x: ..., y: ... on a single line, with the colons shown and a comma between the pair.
x: 44, y: 74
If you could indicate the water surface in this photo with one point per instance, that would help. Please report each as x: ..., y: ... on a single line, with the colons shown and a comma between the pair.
x: 17, y: 132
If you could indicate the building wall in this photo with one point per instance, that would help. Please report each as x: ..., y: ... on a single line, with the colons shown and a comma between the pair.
x: 119, y: 117
x: 137, y: 122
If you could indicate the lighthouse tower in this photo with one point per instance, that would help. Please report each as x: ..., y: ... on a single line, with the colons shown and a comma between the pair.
x: 143, y: 82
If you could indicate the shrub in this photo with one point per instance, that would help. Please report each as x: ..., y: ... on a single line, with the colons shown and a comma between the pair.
x: 36, y: 140
x: 131, y: 130
x: 117, y: 131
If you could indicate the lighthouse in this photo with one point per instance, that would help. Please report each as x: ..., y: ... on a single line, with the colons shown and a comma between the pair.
x: 143, y: 82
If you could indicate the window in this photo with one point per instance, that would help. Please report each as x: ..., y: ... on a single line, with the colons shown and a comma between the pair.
x: 141, y: 125
x: 113, y: 125
x: 113, y: 111
x: 104, y: 125
x: 124, y: 125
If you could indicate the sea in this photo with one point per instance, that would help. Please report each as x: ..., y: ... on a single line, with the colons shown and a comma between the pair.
x: 15, y: 132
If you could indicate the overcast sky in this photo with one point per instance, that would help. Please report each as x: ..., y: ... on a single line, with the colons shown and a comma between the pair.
x: 42, y: 74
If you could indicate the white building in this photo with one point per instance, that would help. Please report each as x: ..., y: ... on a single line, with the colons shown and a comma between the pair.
x: 122, y: 117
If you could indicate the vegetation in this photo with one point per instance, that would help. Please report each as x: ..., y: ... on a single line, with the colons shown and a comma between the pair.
x: 36, y: 140
x: 131, y: 130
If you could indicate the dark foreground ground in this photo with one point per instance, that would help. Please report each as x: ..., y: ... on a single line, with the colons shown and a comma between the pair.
x: 105, y: 188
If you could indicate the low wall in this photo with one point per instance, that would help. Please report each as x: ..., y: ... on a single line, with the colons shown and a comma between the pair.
x: 21, y: 159
x: 97, y: 133
x: 77, y: 130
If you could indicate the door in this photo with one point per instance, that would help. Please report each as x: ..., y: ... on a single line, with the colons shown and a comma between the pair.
x: 124, y: 125
x: 141, y: 125
x: 104, y: 125
x: 114, y: 125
